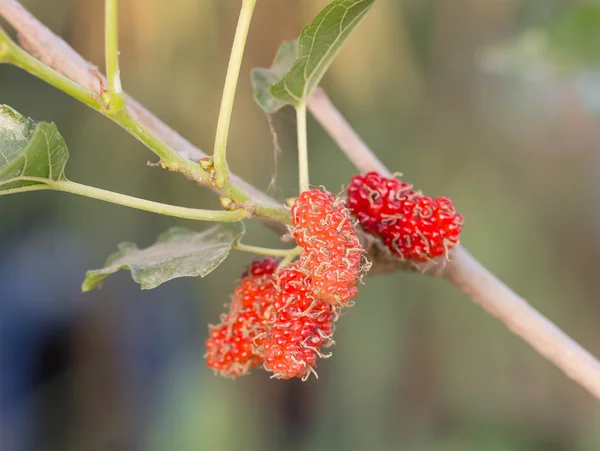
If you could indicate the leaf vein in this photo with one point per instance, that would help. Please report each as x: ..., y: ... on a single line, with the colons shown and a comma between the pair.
x: 324, y: 59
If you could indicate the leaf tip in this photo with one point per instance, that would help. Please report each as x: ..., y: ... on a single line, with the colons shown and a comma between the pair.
x: 91, y: 282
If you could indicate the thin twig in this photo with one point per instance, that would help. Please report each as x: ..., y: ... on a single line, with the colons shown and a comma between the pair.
x: 346, y: 138
x: 468, y: 275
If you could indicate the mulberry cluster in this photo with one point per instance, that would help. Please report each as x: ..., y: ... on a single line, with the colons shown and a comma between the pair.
x: 231, y: 348
x: 332, y: 253
x: 274, y: 319
x: 413, y: 226
x: 284, y: 318
x: 301, y: 326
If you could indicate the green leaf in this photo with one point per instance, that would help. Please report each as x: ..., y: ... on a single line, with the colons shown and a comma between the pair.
x: 29, y: 150
x: 177, y: 253
x: 263, y: 78
x: 318, y: 45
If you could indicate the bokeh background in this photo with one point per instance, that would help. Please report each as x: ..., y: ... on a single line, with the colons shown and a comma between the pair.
x: 490, y: 102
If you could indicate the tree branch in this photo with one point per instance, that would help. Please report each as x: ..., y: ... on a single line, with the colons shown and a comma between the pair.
x: 343, y: 134
x: 468, y: 275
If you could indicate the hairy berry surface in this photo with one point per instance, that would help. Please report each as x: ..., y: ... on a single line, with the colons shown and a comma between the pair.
x: 256, y: 289
x: 232, y: 347
x: 411, y: 225
x: 373, y: 198
x: 332, y: 252
x: 301, y: 324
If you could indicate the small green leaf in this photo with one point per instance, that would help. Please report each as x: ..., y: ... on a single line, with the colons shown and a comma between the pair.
x: 263, y: 78
x: 29, y: 150
x: 318, y: 45
x: 177, y: 253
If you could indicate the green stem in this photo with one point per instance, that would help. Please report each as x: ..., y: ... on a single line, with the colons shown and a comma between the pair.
x: 278, y: 214
x: 24, y: 189
x: 116, y: 98
x: 146, y: 205
x: 289, y: 258
x: 264, y: 250
x: 15, y: 55
x: 170, y: 159
x: 4, y: 47
x: 302, y: 147
x: 231, y: 80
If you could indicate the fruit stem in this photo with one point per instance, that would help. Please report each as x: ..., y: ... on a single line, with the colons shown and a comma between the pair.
x: 302, y: 147
x: 289, y: 258
x: 266, y: 251
x: 116, y: 96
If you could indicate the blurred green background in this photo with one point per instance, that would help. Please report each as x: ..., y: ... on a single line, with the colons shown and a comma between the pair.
x: 490, y: 102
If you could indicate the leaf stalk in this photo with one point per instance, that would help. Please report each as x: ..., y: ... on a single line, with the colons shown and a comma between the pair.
x: 116, y: 96
x: 302, y: 147
x: 128, y: 201
x: 231, y: 81
x: 266, y: 251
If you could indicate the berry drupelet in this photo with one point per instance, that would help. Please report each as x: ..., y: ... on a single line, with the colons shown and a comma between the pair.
x: 332, y: 253
x: 300, y: 326
x: 231, y: 348
x: 413, y: 226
